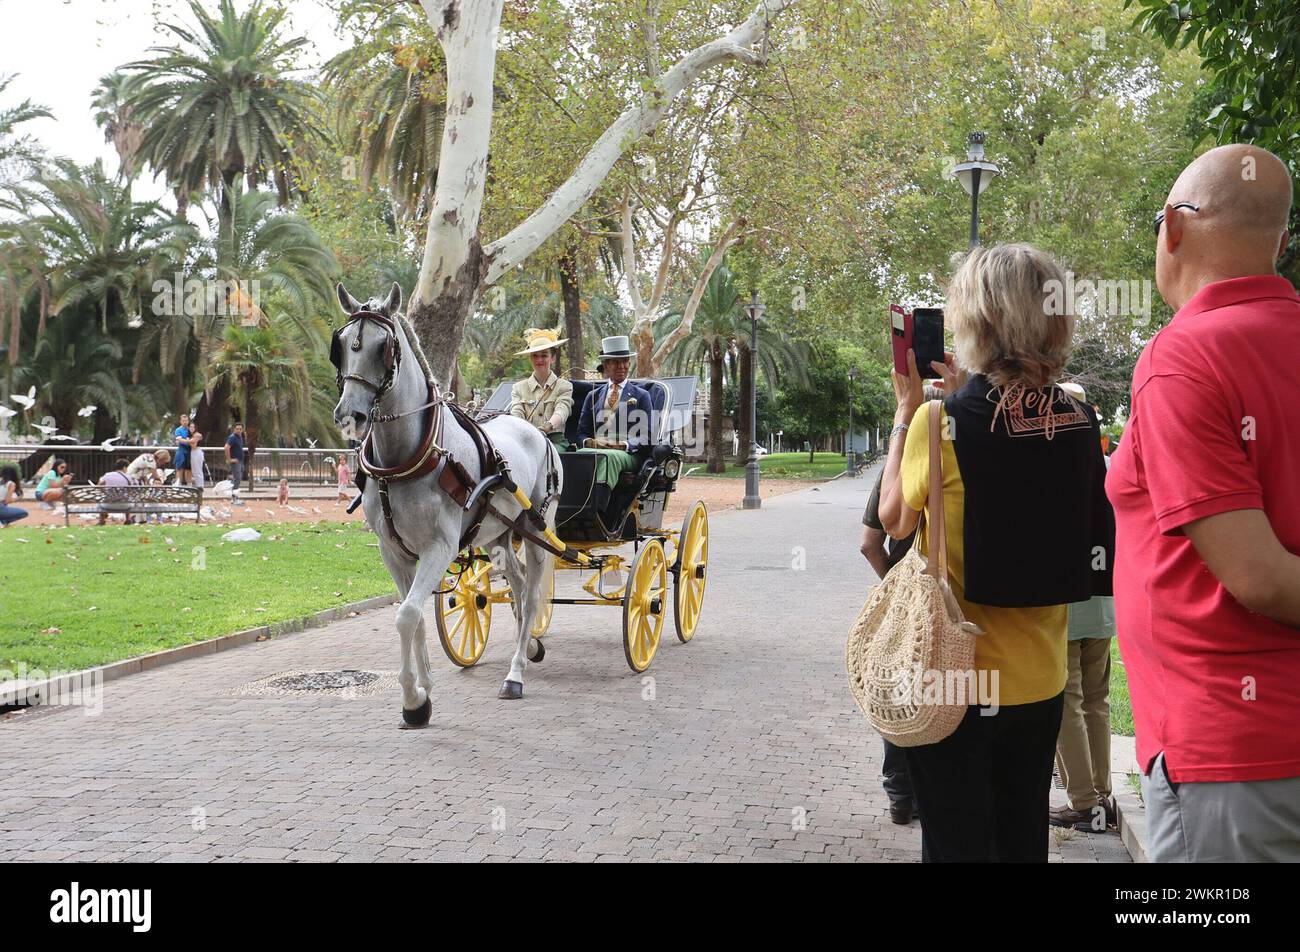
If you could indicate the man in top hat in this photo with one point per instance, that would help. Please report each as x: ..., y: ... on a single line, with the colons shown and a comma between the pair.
x: 543, y: 398
x: 617, y: 415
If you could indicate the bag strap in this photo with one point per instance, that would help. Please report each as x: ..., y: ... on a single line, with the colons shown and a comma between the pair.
x: 938, y: 556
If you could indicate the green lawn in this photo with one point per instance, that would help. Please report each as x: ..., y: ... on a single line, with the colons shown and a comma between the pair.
x: 1121, y: 710
x: 783, y: 466
x: 80, y: 597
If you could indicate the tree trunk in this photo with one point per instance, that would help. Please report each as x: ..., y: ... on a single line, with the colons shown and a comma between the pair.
x: 717, y: 455
x: 252, y: 430
x: 571, y: 295
x: 210, y: 415
x: 746, y: 395
x: 812, y: 448
x: 105, y: 426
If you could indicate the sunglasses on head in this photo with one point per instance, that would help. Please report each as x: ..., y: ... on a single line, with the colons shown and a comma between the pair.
x: 1160, y: 215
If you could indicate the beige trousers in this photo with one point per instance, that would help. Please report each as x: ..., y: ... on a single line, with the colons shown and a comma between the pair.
x: 1083, y: 746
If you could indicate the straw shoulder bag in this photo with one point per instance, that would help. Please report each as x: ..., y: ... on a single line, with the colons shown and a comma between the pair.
x: 911, y: 649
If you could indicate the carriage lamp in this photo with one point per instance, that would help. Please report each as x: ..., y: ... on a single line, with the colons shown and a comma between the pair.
x: 672, y: 468
x: 975, y: 175
x: 754, y: 311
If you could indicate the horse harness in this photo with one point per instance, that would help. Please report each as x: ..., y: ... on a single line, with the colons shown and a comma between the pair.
x: 452, y: 477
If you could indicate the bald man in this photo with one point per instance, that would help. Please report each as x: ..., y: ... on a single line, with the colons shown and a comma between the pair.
x: 1207, y: 506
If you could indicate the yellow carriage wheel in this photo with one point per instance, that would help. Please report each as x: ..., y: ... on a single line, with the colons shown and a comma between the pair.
x: 692, y: 564
x: 464, y: 614
x: 644, y: 603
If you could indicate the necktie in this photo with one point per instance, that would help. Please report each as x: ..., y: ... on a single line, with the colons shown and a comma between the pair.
x: 612, y: 402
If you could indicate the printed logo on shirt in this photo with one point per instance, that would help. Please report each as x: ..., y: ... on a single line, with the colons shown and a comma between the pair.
x: 1043, y: 411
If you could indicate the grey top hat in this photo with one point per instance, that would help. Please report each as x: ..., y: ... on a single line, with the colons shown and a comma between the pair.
x: 614, y: 347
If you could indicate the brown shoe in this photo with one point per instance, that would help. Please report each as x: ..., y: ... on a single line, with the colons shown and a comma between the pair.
x: 1082, y: 820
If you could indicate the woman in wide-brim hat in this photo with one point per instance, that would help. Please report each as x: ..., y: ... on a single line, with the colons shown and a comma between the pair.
x: 543, y: 398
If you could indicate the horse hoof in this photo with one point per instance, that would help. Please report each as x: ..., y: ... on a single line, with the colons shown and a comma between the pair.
x: 511, y: 691
x: 418, y: 717
x: 536, y: 650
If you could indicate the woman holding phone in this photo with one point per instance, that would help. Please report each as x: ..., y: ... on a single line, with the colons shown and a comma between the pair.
x: 1018, y: 455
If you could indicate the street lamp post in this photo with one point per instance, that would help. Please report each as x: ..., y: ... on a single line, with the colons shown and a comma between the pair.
x: 975, y: 175
x: 848, y: 446
x: 753, y: 311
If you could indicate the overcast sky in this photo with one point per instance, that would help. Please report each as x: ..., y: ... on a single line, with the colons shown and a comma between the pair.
x: 60, y: 49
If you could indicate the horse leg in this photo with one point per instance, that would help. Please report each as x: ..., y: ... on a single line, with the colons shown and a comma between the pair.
x: 526, y: 588
x: 429, y: 572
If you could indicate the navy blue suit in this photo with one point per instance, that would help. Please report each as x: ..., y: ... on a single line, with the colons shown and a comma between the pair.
x: 633, y: 422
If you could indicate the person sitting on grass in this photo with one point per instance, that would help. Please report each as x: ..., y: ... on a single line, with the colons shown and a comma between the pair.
x: 11, y: 490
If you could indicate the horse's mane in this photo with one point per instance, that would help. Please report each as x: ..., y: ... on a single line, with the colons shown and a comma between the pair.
x: 414, y: 341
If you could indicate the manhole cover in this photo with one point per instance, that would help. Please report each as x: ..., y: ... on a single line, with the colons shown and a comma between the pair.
x: 347, y: 683
x: 324, y: 681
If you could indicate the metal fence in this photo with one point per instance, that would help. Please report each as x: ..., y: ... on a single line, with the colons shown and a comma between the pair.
x: 300, y: 465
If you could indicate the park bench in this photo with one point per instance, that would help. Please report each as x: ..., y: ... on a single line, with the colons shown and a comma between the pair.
x: 149, y: 500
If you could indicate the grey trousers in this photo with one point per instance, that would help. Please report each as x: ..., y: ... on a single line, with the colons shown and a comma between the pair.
x: 1253, y: 821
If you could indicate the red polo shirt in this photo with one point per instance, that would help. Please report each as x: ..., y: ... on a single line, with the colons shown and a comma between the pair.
x: 1212, y: 430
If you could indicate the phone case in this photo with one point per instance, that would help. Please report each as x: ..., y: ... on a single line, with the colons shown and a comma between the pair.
x: 901, y: 343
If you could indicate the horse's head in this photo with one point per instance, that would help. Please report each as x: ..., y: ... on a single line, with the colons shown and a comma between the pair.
x: 367, y: 352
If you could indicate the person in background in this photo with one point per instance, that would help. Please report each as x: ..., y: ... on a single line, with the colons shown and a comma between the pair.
x: 1083, y: 745
x: 282, y: 494
x: 115, y: 477
x: 1024, y: 507
x: 196, y: 459
x: 1207, y: 504
x: 147, y: 468
x: 184, y: 443
x: 54, y: 484
x: 883, y: 553
x: 542, y: 398
x: 11, y: 490
x: 235, y: 460
x: 344, y: 473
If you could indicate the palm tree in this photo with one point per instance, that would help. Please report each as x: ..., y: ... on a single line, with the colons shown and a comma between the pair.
x: 73, y: 365
x: 390, y: 108
x: 107, y: 249
x: 268, y: 377
x: 720, y: 342
x: 19, y: 154
x: 115, y: 113
x: 220, y: 106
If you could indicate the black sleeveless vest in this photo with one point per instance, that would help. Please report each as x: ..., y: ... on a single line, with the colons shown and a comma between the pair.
x: 1039, y: 529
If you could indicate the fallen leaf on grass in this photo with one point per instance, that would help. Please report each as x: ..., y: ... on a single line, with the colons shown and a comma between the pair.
x: 144, y: 540
x: 49, y: 541
x: 51, y: 631
x: 92, y: 608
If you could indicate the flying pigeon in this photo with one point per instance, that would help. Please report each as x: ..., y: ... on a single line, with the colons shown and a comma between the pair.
x: 63, y: 438
x: 26, y: 402
x: 107, y: 445
x: 311, y: 443
x: 87, y: 411
x: 46, y: 431
x: 6, y: 413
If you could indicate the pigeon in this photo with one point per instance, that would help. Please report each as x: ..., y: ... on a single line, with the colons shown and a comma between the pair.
x: 26, y: 402
x: 46, y: 431
x: 311, y: 443
x: 6, y: 413
x: 63, y: 438
x: 107, y: 445
x: 87, y: 411
x: 271, y: 513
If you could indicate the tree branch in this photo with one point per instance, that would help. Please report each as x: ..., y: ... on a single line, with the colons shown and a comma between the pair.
x: 635, y: 122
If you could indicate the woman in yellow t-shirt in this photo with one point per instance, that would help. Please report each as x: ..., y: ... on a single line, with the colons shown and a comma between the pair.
x: 1023, y: 491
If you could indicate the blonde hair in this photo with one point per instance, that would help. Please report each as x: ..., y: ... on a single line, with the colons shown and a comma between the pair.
x: 1004, y: 326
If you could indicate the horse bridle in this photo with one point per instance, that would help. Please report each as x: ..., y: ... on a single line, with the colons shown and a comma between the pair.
x: 392, y: 354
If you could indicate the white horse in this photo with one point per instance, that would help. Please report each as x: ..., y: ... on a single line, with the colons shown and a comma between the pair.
x: 384, y: 377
